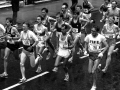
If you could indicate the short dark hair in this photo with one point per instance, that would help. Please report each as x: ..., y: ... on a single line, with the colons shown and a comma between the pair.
x: 9, y: 19
x: 27, y: 23
x: 79, y: 6
x: 114, y: 1
x: 96, y: 28
x: 39, y: 16
x: 65, y: 5
x: 108, y: 0
x: 46, y: 10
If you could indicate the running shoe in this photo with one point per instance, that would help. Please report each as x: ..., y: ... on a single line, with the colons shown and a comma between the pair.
x: 38, y: 69
x: 79, y: 51
x: 23, y: 80
x: 4, y: 75
x: 93, y: 88
x: 66, y: 77
x: 46, y: 49
x: 55, y: 69
x: 70, y: 60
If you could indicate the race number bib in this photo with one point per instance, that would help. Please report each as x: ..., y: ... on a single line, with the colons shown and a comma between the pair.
x: 75, y: 30
x: 40, y: 38
x: 94, y: 47
x: 26, y: 42
x: 110, y: 36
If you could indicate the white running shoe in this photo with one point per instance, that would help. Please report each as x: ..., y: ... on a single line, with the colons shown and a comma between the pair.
x: 4, y: 75
x: 38, y: 69
x: 55, y: 69
x: 93, y: 88
x: 66, y: 77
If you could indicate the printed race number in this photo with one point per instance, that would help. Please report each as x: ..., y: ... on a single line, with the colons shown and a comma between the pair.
x: 26, y: 42
x: 94, y: 47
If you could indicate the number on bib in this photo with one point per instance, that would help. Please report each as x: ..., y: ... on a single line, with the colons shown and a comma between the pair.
x: 26, y: 42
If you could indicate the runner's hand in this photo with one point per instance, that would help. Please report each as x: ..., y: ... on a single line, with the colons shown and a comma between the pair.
x: 82, y: 27
x: 30, y: 48
x: 85, y: 53
x: 100, y: 55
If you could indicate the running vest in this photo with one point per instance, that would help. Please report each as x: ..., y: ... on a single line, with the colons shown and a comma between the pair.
x: 63, y: 42
x: 114, y: 13
x: 66, y: 17
x: 46, y: 22
x: 86, y: 5
x: 110, y: 31
x: 58, y: 28
x: 87, y: 16
x: 11, y: 33
x: 2, y: 31
x: 76, y: 25
x: 27, y: 40
x: 104, y: 7
x: 40, y: 32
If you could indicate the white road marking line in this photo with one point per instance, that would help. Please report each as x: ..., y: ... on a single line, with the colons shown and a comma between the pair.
x: 32, y: 78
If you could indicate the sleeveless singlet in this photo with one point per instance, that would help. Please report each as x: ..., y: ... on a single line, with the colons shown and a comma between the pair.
x: 63, y: 52
x: 26, y: 40
x: 114, y: 13
x: 63, y: 42
x: 86, y: 5
x: 110, y: 31
x: 57, y: 27
x: 76, y: 25
x: 40, y: 32
x: 46, y: 22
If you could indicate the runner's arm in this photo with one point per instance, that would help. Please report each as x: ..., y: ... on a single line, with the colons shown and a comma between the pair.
x: 105, y: 44
x: 47, y: 34
x: 91, y: 6
x: 34, y: 37
x: 53, y: 29
x: 103, y: 30
x: 52, y: 19
x: 17, y: 34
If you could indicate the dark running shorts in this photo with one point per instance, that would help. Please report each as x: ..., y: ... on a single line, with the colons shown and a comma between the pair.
x: 3, y: 45
x: 13, y: 47
x: 26, y: 48
x: 93, y: 56
x: 111, y: 41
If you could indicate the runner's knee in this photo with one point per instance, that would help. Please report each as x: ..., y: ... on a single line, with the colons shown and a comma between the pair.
x: 21, y: 65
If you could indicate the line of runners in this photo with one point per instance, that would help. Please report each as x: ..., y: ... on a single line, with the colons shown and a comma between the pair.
x: 70, y: 29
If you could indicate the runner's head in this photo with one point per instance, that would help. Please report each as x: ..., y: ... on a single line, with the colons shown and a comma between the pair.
x: 39, y: 19
x: 86, y: 10
x: 9, y: 21
x: 64, y: 28
x: 106, y: 1
x: 94, y: 31
x: 85, y: 1
x: 44, y: 12
x: 78, y: 8
x: 75, y: 14
x: 64, y: 7
x: 26, y: 26
x: 59, y: 17
x: 111, y: 20
x: 114, y: 4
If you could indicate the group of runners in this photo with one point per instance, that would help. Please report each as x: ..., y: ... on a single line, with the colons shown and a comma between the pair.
x: 70, y: 28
